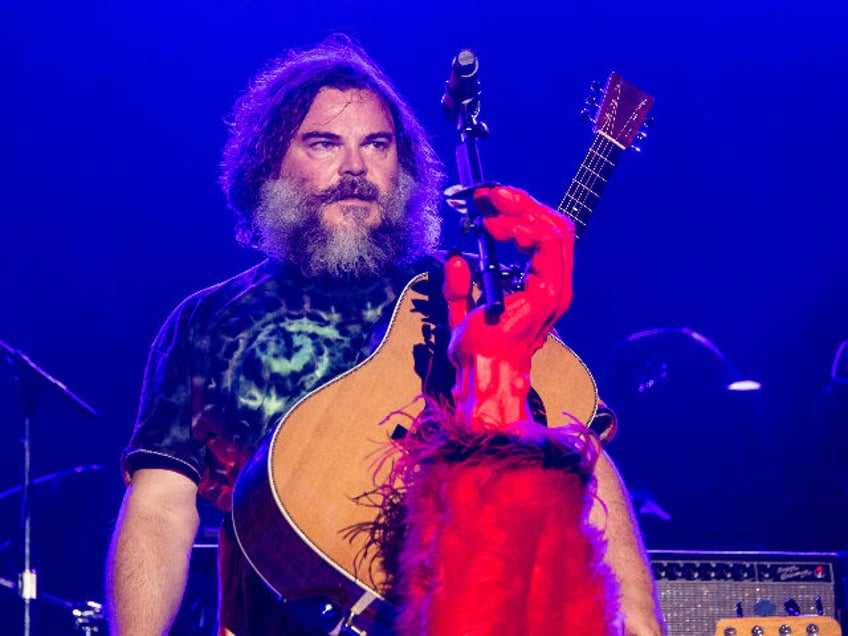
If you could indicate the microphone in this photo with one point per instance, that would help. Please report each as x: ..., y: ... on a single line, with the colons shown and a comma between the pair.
x: 463, y: 87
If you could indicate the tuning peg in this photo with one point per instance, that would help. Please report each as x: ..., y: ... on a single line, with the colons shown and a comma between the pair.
x: 648, y: 123
x: 637, y: 138
x: 587, y: 115
x: 591, y: 100
x: 595, y: 87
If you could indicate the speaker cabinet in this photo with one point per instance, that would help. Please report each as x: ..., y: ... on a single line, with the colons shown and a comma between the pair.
x: 696, y: 589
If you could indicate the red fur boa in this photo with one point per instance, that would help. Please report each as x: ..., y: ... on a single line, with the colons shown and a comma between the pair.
x: 495, y: 535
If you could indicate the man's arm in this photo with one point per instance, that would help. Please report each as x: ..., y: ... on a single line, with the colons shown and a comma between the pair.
x: 626, y: 553
x: 148, y: 558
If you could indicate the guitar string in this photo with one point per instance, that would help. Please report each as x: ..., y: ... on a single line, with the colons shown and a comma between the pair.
x: 577, y: 196
x: 571, y: 201
x: 603, y: 166
x: 588, y: 197
x: 596, y: 167
x: 599, y: 166
x: 596, y: 158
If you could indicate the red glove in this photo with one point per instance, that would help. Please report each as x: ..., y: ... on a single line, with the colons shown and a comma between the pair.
x: 493, y: 360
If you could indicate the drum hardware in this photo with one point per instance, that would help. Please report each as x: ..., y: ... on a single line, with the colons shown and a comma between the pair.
x: 30, y: 379
x: 88, y: 616
x: 59, y: 474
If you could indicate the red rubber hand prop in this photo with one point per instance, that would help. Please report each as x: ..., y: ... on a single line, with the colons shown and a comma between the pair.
x: 493, y: 359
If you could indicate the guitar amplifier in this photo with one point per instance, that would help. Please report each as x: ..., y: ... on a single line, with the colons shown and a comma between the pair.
x: 697, y: 589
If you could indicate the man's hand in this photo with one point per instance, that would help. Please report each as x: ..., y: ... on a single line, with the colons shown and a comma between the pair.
x: 493, y: 358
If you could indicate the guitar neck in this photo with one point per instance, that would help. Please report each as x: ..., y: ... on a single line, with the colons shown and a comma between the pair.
x: 585, y: 189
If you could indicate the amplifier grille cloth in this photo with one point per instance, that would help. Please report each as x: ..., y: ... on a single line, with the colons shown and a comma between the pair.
x: 723, y: 579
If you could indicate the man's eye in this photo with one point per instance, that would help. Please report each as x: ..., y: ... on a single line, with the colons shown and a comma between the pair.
x: 380, y: 145
x: 321, y: 145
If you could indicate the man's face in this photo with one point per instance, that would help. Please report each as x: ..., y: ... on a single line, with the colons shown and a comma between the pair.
x: 345, y: 151
x: 339, y: 205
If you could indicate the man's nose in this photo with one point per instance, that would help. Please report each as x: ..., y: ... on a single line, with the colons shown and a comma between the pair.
x: 353, y: 162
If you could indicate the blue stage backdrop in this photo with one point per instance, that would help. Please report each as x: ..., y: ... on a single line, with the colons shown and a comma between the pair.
x: 717, y: 254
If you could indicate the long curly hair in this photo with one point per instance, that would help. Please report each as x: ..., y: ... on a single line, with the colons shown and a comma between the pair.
x: 266, y: 117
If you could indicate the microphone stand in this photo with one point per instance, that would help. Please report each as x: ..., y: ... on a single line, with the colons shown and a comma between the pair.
x: 462, y: 101
x: 30, y: 378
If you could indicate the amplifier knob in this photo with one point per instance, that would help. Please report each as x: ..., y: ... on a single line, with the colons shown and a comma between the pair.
x: 812, y: 628
x: 764, y: 607
x: 784, y: 630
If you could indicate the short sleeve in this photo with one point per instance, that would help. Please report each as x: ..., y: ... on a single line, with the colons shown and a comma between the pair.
x: 162, y: 435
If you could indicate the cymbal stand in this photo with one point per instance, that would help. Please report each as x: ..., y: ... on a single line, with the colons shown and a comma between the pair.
x: 89, y: 618
x: 29, y: 378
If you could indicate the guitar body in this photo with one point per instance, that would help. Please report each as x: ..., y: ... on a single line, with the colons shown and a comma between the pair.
x: 296, y: 498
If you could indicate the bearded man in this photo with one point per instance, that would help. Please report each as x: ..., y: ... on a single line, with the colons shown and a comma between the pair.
x: 334, y: 180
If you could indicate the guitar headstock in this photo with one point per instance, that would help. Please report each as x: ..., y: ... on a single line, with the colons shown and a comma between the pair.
x: 622, y: 112
x: 813, y: 625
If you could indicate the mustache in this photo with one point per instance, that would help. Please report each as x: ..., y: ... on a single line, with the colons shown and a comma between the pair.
x: 350, y: 188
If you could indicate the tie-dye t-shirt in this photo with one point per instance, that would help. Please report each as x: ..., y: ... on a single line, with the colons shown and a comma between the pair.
x: 232, y: 359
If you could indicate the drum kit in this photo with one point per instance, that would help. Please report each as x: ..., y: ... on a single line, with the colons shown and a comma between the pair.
x: 86, y: 617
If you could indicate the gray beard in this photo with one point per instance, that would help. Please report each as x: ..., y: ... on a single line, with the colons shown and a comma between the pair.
x: 288, y: 227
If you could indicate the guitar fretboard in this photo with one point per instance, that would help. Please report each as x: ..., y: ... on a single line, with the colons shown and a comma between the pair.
x: 586, y: 188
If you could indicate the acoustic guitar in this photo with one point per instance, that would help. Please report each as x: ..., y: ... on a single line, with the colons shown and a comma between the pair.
x: 301, y: 493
